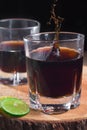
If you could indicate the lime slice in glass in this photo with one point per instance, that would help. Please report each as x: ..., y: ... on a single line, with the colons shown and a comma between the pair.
x: 14, y: 106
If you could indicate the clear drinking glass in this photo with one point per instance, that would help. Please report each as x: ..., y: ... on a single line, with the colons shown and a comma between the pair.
x: 54, y: 73
x: 12, y: 54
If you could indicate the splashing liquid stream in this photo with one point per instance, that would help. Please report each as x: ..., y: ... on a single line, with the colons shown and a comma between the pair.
x: 55, y: 51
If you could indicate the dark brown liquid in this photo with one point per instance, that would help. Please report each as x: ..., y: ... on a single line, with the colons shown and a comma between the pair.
x: 55, y: 78
x: 12, y: 56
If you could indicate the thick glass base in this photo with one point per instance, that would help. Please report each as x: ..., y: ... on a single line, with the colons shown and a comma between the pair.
x: 55, y: 108
x: 11, y: 82
x: 76, y: 100
x: 50, y: 105
x: 14, y: 79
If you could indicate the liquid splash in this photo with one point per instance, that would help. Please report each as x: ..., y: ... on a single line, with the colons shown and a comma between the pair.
x: 55, y: 52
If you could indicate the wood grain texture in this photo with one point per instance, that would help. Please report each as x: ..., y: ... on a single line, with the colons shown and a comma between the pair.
x: 74, y: 119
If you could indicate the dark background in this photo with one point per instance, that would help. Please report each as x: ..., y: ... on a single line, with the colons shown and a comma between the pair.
x: 74, y: 13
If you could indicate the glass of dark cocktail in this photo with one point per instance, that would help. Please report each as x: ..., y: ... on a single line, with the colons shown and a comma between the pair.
x: 54, y: 72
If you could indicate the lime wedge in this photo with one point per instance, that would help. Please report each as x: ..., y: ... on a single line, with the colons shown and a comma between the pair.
x: 2, y: 98
x: 1, y: 111
x: 14, y: 106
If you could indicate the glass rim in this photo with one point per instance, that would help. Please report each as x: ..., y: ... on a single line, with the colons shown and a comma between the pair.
x: 20, y: 19
x: 29, y: 37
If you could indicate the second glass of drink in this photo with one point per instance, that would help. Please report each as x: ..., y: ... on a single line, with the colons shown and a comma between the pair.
x: 12, y: 54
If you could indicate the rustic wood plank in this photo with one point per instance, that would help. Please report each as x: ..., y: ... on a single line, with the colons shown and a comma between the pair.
x: 74, y: 119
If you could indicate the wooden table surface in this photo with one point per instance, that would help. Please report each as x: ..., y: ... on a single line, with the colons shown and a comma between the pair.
x: 74, y: 119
